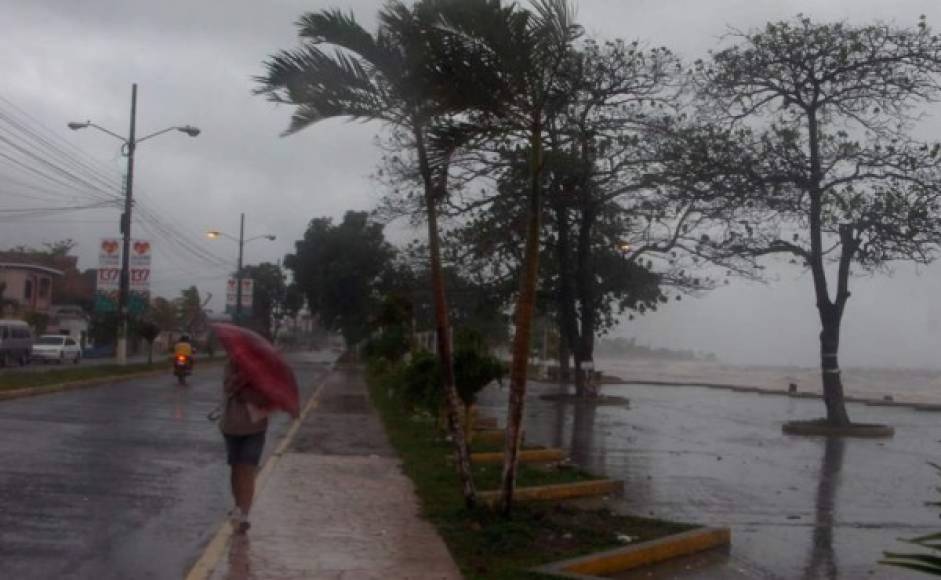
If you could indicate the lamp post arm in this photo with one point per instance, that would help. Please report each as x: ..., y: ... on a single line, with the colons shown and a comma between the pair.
x: 112, y: 133
x: 267, y: 236
x: 167, y: 130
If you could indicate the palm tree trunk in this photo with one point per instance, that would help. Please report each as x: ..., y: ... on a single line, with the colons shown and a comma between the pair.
x: 442, y: 329
x: 524, y: 321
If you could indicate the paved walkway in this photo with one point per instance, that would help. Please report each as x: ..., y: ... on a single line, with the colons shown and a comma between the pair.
x: 336, y: 505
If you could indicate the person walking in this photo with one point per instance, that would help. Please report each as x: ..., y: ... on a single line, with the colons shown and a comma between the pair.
x: 244, y: 424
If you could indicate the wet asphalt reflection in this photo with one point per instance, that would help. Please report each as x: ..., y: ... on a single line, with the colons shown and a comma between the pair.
x: 121, y: 481
x: 798, y: 507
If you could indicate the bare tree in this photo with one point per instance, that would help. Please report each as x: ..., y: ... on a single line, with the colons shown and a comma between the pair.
x: 827, y: 170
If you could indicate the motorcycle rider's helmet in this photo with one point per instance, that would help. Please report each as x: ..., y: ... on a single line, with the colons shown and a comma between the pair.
x: 185, y: 338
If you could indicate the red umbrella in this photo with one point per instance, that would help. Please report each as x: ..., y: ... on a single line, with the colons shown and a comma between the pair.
x: 264, y: 367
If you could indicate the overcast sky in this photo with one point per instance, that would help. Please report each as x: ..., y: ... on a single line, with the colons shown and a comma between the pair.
x: 74, y: 60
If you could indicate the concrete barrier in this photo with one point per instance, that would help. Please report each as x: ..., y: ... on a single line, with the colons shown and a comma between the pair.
x: 639, y: 555
x: 525, y: 456
x: 822, y: 429
x: 557, y: 492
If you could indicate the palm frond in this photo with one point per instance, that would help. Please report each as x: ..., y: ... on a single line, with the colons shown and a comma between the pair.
x: 554, y: 28
x: 323, y: 86
x: 921, y: 562
x: 340, y: 29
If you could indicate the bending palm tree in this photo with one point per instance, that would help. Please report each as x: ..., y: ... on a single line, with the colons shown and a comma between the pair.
x: 381, y: 77
x: 506, y: 65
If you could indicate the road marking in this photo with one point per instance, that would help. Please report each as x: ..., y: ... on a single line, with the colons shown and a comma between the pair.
x: 204, y: 567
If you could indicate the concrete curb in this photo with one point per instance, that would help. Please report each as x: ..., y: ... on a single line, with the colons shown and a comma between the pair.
x: 819, y: 429
x: 869, y: 402
x: 525, y: 456
x: 556, y: 492
x: 204, y: 567
x: 87, y: 383
x: 638, y: 555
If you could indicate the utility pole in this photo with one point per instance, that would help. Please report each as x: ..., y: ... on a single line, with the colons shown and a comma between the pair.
x: 125, y: 286
x: 128, y: 149
x: 238, y: 274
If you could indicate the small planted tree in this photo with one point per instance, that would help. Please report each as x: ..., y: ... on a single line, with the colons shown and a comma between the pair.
x: 148, y: 330
x: 504, y: 65
x: 830, y: 173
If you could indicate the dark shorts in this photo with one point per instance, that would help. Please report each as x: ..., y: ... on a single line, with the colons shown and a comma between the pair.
x: 245, y: 449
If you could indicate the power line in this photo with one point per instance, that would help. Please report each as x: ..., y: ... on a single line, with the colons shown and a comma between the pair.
x: 56, y: 209
x: 54, y: 141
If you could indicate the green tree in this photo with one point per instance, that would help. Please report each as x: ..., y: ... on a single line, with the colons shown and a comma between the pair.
x: 149, y: 330
x: 339, y: 268
x: 830, y: 175
x: 380, y: 77
x: 165, y: 314
x: 191, y: 314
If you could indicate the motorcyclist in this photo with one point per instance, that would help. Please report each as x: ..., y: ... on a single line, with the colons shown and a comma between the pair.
x: 184, y: 347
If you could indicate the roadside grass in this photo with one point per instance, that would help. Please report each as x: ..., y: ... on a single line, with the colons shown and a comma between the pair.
x: 484, y: 543
x: 14, y: 380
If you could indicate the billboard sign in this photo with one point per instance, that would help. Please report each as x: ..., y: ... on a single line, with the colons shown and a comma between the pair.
x: 108, y: 283
x: 248, y: 295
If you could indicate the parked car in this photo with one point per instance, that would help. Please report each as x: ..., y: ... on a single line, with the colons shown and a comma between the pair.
x: 16, y: 341
x: 56, y: 347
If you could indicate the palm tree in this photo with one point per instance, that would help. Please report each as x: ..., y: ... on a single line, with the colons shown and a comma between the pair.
x: 506, y: 65
x: 380, y: 77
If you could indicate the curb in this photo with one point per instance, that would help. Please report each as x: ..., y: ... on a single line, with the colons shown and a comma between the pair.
x: 525, y: 456
x: 204, y: 567
x: 818, y: 429
x: 638, y: 555
x: 867, y: 401
x: 556, y: 492
x: 86, y: 383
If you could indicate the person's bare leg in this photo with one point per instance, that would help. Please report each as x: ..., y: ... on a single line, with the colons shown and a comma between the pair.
x: 243, y: 480
x: 233, y: 481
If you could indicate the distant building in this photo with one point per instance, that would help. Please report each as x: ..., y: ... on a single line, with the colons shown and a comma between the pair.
x: 35, y: 281
x: 27, y: 286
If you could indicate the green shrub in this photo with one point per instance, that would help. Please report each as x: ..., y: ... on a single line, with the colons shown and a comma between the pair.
x: 474, y: 366
x: 422, y: 385
x: 391, y: 344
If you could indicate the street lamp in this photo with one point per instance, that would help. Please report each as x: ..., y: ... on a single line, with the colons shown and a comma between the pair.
x: 128, y: 148
x: 241, y: 241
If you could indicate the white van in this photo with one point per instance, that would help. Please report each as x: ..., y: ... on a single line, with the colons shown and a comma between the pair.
x: 16, y: 342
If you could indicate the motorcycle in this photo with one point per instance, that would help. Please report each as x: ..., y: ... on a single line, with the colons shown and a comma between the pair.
x: 182, y: 367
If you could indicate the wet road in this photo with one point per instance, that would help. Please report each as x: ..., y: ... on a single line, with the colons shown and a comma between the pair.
x: 121, y: 481
x: 798, y: 507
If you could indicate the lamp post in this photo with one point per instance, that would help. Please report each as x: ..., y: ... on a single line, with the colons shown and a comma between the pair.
x: 129, y: 147
x: 241, y: 241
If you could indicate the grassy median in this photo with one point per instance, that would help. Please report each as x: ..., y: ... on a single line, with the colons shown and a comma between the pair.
x: 484, y: 544
x: 13, y: 380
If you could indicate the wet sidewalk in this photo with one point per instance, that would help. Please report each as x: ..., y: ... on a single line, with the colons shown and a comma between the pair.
x: 336, y: 504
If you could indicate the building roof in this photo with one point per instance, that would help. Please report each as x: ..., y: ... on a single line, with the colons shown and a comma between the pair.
x: 31, y: 267
x: 57, y: 261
